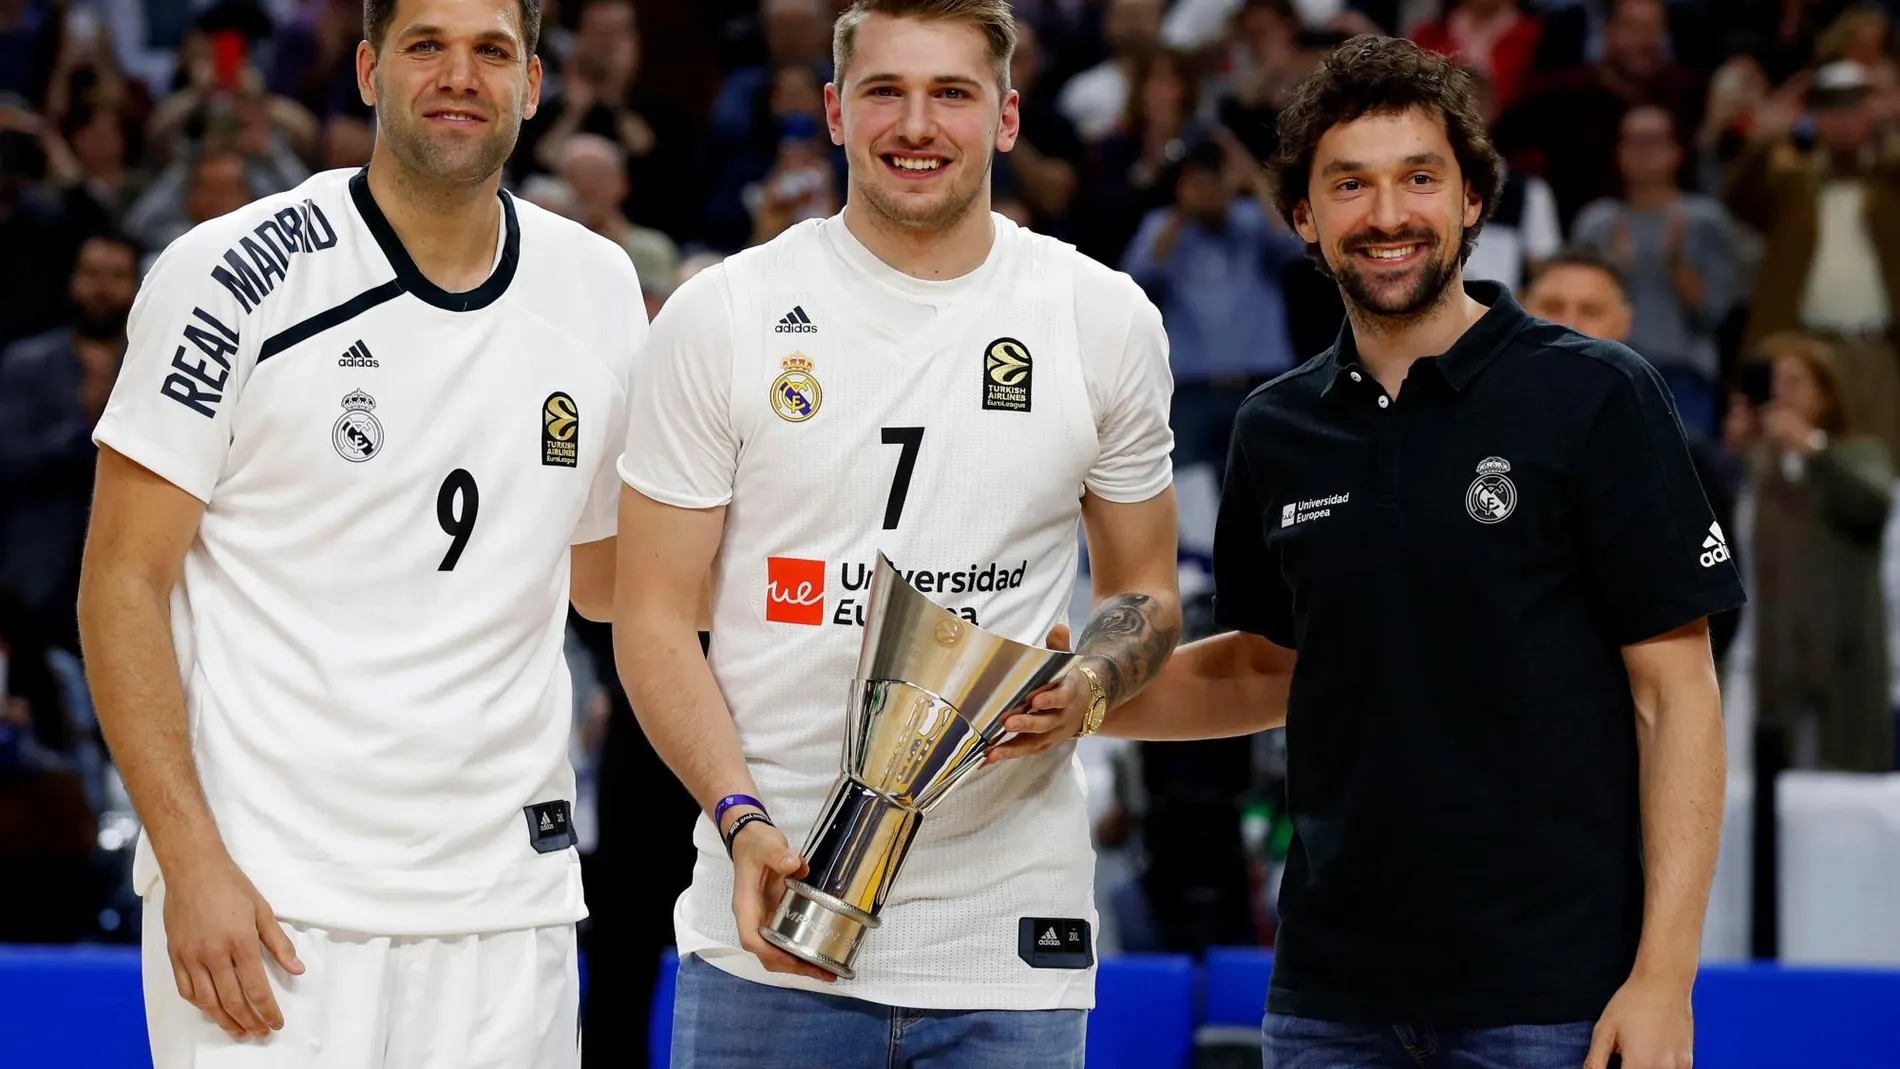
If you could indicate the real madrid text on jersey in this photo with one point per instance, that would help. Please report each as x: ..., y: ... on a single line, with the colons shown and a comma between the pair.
x: 369, y: 625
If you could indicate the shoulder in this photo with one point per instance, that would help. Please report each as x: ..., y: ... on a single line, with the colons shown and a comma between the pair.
x: 1577, y: 368
x: 1703, y: 209
x: 1597, y: 213
x: 701, y: 306
x: 1290, y: 391
x: 1109, y: 303
x: 299, y: 219
x: 35, y: 351
x: 587, y: 265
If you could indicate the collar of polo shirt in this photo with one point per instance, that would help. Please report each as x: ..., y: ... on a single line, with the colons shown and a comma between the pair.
x: 1462, y: 362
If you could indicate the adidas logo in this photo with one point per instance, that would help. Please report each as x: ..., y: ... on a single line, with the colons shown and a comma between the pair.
x: 546, y: 824
x: 357, y: 355
x: 796, y: 322
x: 1714, y: 547
x: 1049, y: 939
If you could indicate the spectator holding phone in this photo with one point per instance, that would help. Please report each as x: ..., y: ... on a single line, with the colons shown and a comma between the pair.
x: 1822, y: 492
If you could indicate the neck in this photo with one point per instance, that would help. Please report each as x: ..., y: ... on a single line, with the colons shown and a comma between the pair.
x: 1388, y: 346
x: 448, y: 229
x: 1647, y: 198
x: 952, y: 252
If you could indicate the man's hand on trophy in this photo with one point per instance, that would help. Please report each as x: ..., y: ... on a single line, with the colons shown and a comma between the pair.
x: 1055, y: 713
x: 761, y: 860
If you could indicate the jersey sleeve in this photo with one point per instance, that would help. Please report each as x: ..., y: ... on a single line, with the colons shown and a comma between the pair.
x: 600, y: 518
x: 1130, y: 386
x: 1250, y: 594
x: 681, y: 448
x: 188, y: 351
x: 1653, y: 552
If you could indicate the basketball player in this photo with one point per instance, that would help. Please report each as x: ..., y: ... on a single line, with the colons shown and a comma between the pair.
x: 916, y: 376
x: 359, y: 461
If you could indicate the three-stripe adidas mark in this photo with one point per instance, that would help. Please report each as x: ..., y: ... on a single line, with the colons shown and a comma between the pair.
x: 357, y: 355
x: 1714, y: 547
x: 796, y: 322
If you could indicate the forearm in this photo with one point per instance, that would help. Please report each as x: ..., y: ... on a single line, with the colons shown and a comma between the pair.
x: 125, y: 629
x: 1681, y: 783
x: 1129, y: 638
x: 1215, y: 688
x: 679, y: 706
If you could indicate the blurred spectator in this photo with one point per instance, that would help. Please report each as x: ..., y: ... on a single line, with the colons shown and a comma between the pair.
x: 1491, y: 36
x: 47, y: 829
x: 773, y: 179
x: 797, y: 33
x: 53, y: 387
x: 1679, y: 255
x: 1565, y: 125
x: 1131, y: 167
x: 1098, y: 98
x: 1824, y: 191
x: 101, y: 143
x: 1822, y: 494
x: 1737, y: 89
x: 594, y: 171
x: 802, y: 184
x: 1045, y: 167
x: 600, y: 94
x: 1523, y: 227
x: 1212, y: 264
x: 1581, y: 289
x: 206, y: 185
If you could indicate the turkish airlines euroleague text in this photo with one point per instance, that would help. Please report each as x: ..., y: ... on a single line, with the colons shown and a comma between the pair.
x: 795, y: 588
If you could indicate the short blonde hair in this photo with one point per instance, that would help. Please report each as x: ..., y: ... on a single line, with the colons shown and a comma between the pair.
x: 993, y: 17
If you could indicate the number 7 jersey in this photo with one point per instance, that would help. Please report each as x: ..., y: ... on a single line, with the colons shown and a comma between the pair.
x: 369, y: 624
x: 840, y: 409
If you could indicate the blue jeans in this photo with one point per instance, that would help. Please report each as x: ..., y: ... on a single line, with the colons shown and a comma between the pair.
x: 1303, y: 1043
x: 723, y: 1022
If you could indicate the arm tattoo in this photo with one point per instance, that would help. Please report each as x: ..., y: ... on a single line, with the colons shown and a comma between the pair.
x: 1128, y: 642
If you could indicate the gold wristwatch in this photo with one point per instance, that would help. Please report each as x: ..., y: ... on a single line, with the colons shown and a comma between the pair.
x: 1098, y: 702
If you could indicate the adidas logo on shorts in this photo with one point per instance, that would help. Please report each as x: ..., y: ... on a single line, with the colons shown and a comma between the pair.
x: 1049, y: 939
x: 796, y: 322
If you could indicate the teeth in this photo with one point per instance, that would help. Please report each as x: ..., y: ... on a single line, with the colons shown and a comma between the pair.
x: 1391, y: 254
x: 906, y: 163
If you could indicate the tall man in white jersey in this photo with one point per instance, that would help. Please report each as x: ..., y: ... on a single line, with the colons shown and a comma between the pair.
x: 359, y: 461
x: 920, y: 377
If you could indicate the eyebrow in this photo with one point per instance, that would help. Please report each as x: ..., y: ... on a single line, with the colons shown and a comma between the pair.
x: 940, y: 79
x: 1416, y: 159
x: 426, y: 30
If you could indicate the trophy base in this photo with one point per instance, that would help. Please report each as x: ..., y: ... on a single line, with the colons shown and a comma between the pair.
x: 818, y: 929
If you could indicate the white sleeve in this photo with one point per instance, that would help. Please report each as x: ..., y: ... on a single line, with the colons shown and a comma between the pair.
x: 1543, y: 233
x: 681, y: 449
x: 1125, y: 357
x: 189, y: 349
x: 601, y: 518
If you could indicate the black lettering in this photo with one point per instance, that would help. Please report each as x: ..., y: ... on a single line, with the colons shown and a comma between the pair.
x: 853, y: 582
x: 315, y: 218
x: 960, y: 583
x: 180, y: 389
x: 848, y: 612
x: 265, y: 262
x: 212, y: 321
x: 213, y: 346
x: 968, y: 614
x: 240, y: 280
x: 273, y: 238
x: 943, y: 580
x: 1016, y: 577
x: 924, y: 584
x: 293, y: 229
x: 986, y: 580
x: 200, y: 370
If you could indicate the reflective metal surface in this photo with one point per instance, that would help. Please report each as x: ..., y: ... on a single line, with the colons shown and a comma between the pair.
x: 931, y: 692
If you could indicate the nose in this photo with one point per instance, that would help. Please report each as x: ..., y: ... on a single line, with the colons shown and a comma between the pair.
x: 915, y: 126
x: 458, y: 72
x: 1388, y: 214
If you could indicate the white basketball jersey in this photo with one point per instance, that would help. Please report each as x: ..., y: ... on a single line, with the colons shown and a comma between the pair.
x: 840, y: 408
x: 369, y: 624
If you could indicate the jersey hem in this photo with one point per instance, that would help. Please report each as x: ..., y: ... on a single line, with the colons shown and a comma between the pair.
x: 165, y: 463
x: 1075, y: 992
x: 1147, y: 491
x: 668, y: 497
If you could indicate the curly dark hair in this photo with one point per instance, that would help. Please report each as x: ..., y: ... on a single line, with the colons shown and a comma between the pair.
x: 1369, y: 75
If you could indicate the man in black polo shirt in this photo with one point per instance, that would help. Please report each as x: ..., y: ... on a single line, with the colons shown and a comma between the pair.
x: 1468, y: 564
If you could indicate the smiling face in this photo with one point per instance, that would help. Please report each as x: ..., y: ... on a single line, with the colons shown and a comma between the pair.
x: 1388, y: 207
x: 919, y: 112
x: 451, y: 82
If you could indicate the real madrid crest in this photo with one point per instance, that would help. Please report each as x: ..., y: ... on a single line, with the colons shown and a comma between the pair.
x: 795, y: 393
x: 357, y: 434
x: 1492, y: 496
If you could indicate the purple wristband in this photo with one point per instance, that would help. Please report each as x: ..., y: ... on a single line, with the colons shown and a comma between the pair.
x: 730, y: 800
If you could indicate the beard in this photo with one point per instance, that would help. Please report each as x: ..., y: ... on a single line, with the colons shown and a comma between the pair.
x: 100, y: 324
x: 1399, y: 300
x: 443, y: 160
x: 905, y: 213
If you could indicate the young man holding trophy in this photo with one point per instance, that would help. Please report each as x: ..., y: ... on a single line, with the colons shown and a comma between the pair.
x: 876, y: 435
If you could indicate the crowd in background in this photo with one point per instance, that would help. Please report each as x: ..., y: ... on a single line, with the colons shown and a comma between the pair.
x: 1733, y: 164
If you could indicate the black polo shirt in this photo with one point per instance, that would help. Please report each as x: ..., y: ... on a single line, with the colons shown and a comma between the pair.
x: 1458, y: 568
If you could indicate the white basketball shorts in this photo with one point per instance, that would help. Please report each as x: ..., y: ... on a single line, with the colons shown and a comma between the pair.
x: 501, y: 1000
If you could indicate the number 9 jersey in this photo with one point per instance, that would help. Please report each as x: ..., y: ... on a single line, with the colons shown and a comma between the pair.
x: 370, y: 622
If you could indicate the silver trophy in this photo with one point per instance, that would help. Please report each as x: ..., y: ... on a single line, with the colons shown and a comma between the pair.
x: 928, y: 704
